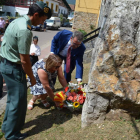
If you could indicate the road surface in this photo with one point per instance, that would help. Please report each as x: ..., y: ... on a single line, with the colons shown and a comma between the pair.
x: 45, y: 38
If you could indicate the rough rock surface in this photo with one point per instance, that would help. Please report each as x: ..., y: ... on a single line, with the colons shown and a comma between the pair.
x: 114, y: 79
x: 84, y: 20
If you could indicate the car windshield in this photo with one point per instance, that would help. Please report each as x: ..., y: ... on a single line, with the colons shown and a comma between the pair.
x: 48, y: 20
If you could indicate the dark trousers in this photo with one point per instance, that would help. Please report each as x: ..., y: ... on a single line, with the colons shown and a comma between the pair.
x: 33, y: 59
x: 72, y: 66
x: 68, y: 75
x: 1, y: 85
x: 15, y: 112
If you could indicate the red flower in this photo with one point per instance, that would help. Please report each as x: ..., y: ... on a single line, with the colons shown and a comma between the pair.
x: 69, y: 94
x: 70, y: 98
x: 80, y: 92
x: 79, y: 88
x: 73, y: 94
x: 81, y: 99
x: 66, y: 89
x: 74, y: 98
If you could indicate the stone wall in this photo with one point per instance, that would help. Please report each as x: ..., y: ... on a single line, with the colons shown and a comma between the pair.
x: 83, y: 21
x: 114, y: 79
x: 88, y: 53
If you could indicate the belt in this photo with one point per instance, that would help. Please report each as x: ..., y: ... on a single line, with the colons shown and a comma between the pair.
x: 7, y: 62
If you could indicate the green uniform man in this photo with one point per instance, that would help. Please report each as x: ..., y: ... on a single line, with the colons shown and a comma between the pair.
x: 15, y: 64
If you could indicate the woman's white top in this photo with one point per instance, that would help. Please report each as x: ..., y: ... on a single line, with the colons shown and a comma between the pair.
x: 35, y: 49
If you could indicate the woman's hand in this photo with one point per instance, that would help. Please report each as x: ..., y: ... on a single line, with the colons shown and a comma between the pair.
x: 57, y: 104
x: 61, y: 78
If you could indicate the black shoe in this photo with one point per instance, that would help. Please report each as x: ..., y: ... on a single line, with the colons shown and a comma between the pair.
x: 0, y: 95
x: 23, y: 136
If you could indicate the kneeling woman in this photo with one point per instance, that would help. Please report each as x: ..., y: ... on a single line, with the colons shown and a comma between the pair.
x: 45, y: 71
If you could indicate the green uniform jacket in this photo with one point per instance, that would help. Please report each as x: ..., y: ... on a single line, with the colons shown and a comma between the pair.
x: 17, y: 39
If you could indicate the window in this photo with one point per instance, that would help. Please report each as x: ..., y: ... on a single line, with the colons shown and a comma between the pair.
x: 1, y: 13
x: 8, y: 14
x: 61, y: 11
x: 56, y: 8
x: 20, y: 2
x: 47, y: 3
x: 52, y: 6
x: 17, y: 14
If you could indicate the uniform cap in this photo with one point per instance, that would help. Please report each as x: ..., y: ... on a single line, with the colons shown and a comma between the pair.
x: 44, y: 7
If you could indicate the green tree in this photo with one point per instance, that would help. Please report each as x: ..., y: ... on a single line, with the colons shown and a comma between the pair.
x: 61, y: 18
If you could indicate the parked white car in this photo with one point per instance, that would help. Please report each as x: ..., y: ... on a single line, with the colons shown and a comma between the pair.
x: 53, y: 22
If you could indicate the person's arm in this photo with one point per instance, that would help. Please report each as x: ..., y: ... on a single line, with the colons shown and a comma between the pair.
x: 4, y: 23
x: 24, y: 42
x: 54, y: 42
x: 79, y: 64
x: 61, y: 78
x: 26, y: 65
x: 45, y: 82
x: 32, y: 50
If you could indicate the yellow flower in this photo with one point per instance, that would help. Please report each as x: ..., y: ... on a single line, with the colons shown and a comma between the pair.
x: 76, y: 104
x: 72, y: 90
x: 84, y: 94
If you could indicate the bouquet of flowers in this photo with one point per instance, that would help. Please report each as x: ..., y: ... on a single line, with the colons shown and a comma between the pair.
x: 72, y: 98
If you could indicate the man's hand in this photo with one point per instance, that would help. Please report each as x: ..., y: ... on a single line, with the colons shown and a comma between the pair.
x: 51, y: 53
x: 33, y: 81
x: 80, y: 84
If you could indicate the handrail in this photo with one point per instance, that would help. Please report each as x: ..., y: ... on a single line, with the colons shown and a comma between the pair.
x: 92, y: 31
x: 95, y: 35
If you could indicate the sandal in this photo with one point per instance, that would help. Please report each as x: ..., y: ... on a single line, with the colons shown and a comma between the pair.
x: 45, y: 103
x: 30, y: 104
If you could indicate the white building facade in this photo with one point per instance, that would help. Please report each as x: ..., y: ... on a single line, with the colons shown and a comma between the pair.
x: 21, y: 7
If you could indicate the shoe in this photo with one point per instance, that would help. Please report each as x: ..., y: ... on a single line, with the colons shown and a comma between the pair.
x: 30, y: 104
x: 22, y: 136
x: 0, y: 95
x: 45, y: 103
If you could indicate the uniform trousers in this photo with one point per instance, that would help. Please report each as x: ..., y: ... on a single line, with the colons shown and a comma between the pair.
x: 16, y: 107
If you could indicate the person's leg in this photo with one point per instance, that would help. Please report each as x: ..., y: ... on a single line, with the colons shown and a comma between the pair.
x: 44, y: 101
x: 32, y: 101
x: 68, y: 75
x: 16, y: 102
x: 1, y: 85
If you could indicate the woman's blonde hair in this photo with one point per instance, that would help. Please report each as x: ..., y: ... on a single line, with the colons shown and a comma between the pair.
x: 52, y: 61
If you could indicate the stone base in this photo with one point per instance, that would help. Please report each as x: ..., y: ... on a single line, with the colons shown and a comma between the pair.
x: 94, y: 109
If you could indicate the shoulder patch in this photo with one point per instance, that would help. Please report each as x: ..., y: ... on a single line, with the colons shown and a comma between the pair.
x: 29, y: 27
